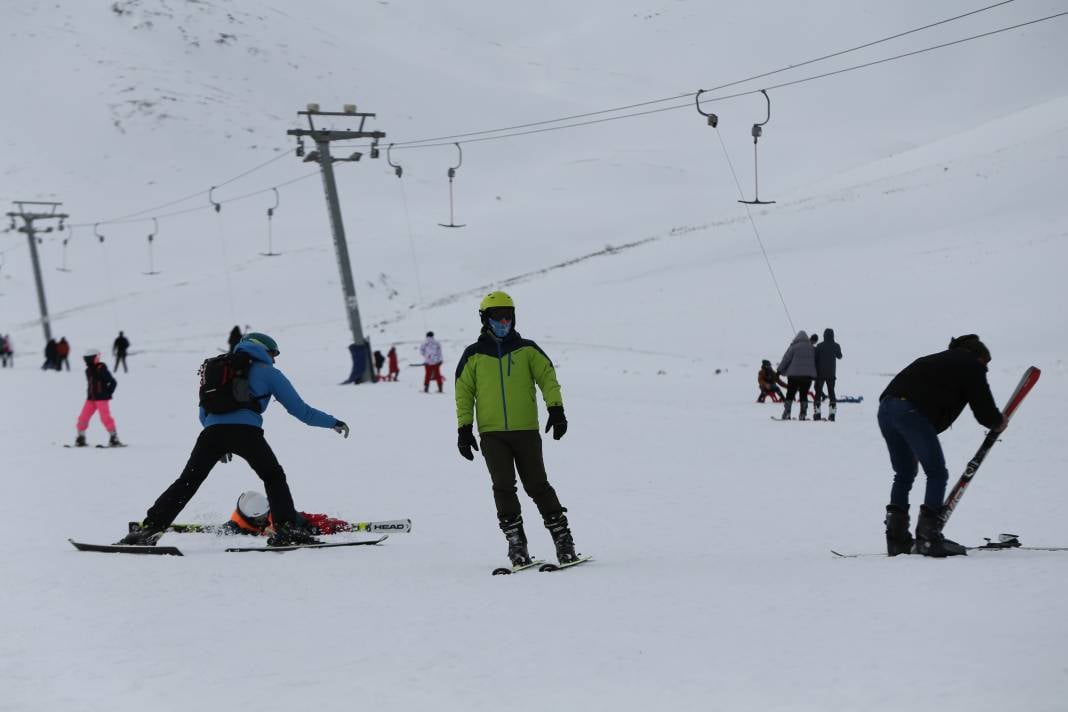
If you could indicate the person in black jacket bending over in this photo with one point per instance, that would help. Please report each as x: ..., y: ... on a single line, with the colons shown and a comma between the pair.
x: 920, y: 402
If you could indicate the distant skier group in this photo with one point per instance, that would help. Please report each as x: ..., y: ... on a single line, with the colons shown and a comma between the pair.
x: 805, y: 361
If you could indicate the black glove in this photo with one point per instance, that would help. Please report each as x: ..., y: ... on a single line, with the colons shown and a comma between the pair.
x: 226, y: 457
x: 340, y: 428
x: 465, y: 441
x: 556, y: 421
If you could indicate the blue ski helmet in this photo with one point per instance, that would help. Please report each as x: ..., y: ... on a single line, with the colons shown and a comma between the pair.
x: 263, y: 340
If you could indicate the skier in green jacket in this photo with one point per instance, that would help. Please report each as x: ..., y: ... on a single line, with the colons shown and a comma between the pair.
x: 495, y: 386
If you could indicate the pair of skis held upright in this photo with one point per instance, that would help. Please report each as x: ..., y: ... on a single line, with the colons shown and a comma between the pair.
x: 1030, y: 378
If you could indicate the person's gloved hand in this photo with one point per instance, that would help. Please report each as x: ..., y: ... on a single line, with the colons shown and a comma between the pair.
x: 226, y: 457
x: 340, y: 428
x: 465, y: 441
x: 557, y: 422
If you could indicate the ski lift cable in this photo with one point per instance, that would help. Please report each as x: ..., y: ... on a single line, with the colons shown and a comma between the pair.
x: 756, y: 234
x: 736, y: 95
x: 736, y: 82
x: 445, y: 140
x: 126, y: 218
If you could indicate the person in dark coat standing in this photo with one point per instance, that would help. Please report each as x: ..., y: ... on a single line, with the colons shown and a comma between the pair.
x: 235, y: 338
x: 799, y: 366
x: 827, y: 355
x: 379, y: 361
x: 62, y: 354
x: 118, y: 350
x: 921, y: 402
x: 50, y: 356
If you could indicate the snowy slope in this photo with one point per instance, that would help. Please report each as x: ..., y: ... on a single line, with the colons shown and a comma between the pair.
x: 916, y: 201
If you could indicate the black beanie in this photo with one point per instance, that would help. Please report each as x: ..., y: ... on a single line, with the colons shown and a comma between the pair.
x: 970, y: 342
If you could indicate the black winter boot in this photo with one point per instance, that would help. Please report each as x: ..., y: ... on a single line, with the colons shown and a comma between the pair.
x: 816, y: 411
x: 144, y: 534
x: 929, y: 538
x: 80, y: 440
x: 291, y: 534
x: 517, y: 541
x: 830, y: 416
x: 113, y: 440
x: 786, y: 409
x: 804, y: 411
x: 898, y: 537
x: 561, y: 534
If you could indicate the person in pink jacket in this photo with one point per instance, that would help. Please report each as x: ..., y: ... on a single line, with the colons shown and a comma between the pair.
x: 101, y: 386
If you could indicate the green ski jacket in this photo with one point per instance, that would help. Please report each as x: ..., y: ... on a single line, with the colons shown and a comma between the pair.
x: 495, y: 379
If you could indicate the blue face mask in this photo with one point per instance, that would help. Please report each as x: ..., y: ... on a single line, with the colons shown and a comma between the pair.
x: 501, y: 328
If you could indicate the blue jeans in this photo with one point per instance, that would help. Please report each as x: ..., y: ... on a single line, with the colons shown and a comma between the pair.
x: 912, y: 440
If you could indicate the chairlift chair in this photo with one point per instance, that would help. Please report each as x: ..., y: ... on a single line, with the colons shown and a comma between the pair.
x: 270, y: 215
x: 151, y: 238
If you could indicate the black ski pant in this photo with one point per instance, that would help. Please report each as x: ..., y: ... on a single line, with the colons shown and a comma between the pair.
x: 120, y: 358
x: 830, y: 390
x: 795, y: 384
x: 518, y: 450
x: 245, y: 441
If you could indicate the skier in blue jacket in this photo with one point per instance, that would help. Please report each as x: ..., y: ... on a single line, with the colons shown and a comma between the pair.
x: 240, y: 432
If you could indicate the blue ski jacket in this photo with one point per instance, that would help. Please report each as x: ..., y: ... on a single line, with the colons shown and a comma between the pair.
x: 265, y: 381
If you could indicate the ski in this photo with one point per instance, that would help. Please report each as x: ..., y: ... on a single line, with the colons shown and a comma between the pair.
x: 1027, y: 382
x: 295, y: 547
x: 398, y: 526
x: 101, y: 447
x: 1004, y: 542
x: 560, y: 567
x: 126, y: 549
x: 504, y: 570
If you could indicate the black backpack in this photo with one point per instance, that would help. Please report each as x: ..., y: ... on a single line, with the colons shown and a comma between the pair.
x: 224, y: 385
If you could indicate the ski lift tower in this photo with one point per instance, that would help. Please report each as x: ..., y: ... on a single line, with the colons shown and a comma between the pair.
x: 361, y: 347
x: 31, y: 211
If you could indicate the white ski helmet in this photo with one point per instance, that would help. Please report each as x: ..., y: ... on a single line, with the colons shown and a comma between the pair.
x: 253, y: 507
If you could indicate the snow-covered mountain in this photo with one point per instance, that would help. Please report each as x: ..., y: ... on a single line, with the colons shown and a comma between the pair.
x: 915, y: 199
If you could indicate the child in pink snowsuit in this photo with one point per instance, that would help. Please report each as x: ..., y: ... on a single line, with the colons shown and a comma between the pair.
x: 101, y: 385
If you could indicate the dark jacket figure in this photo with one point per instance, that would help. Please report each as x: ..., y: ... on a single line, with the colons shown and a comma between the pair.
x: 495, y: 382
x: 827, y: 355
x: 769, y: 381
x: 379, y: 361
x: 799, y: 365
x: 100, y: 386
x: 118, y: 350
x: 51, y: 360
x: 62, y: 354
x: 920, y: 402
x: 7, y: 352
x: 240, y: 432
x: 235, y: 338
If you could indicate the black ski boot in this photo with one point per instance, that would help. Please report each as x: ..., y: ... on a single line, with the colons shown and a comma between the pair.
x: 291, y: 534
x: 561, y: 534
x: 803, y: 415
x: 787, y: 405
x: 898, y: 536
x: 80, y: 440
x: 929, y: 538
x: 816, y: 412
x: 830, y: 416
x: 113, y: 440
x: 144, y: 534
x: 517, y: 541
